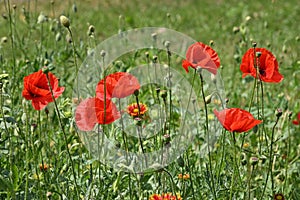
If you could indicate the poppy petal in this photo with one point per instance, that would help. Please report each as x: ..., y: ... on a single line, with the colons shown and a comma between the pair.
x: 85, y: 114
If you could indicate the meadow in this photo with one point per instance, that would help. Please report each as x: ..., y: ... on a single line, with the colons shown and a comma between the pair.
x: 78, y: 123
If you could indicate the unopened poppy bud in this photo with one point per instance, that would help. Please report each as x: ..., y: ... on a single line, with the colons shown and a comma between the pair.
x: 64, y: 21
x: 258, y: 54
x: 14, y: 6
x: 147, y: 54
x: 41, y: 18
x: 164, y: 94
x: 168, y: 15
x: 244, y: 162
x: 91, y: 30
x: 236, y: 29
x: 211, y: 42
x: 4, y: 40
x: 157, y: 90
x: 154, y: 36
x: 253, y: 160
x: 154, y: 59
x: 167, y: 44
x: 248, y: 18
x: 254, y: 44
x: 52, y: 2
x: 74, y: 8
x: 136, y: 93
x: 208, y: 99
x: 278, y: 113
x: 263, y: 159
x: 46, y: 62
x: 102, y: 53
x: 58, y: 37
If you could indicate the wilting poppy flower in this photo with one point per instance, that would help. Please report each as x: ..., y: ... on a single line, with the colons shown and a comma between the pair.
x: 37, y: 90
x: 91, y: 111
x: 266, y: 63
x: 133, y: 109
x: 201, y: 55
x: 297, y: 121
x: 165, y: 196
x: 118, y: 85
x: 236, y: 120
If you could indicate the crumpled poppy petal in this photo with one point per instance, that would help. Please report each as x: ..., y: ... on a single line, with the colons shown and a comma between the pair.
x: 201, y: 55
x: 85, y: 114
x: 118, y: 85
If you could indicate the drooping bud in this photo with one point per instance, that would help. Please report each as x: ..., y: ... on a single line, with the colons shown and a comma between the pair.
x: 64, y: 21
x: 278, y: 112
x: 253, y: 161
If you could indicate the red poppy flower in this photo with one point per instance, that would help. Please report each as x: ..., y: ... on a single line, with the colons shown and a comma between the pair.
x: 201, y: 55
x: 37, y: 90
x: 165, y: 196
x: 236, y: 120
x: 297, y: 121
x: 266, y: 62
x: 118, y: 85
x: 91, y: 111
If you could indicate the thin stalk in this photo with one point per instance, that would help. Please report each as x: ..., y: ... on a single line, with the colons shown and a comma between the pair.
x: 65, y: 136
x: 212, y: 185
x: 270, y: 170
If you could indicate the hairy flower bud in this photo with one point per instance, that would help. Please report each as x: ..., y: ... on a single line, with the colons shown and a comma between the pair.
x: 64, y: 21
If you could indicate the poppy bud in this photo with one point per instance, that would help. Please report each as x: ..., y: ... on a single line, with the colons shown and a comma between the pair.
x: 248, y: 18
x: 136, y: 93
x: 164, y: 94
x: 52, y: 2
x: 244, y: 162
x: 154, y: 59
x: 208, y: 99
x: 157, y: 90
x: 41, y: 18
x: 167, y: 44
x: 147, y: 54
x: 102, y: 53
x: 91, y: 30
x: 211, y: 42
x: 236, y: 29
x: 168, y: 15
x: 254, y: 44
x: 253, y: 161
x: 3, y: 39
x: 154, y: 36
x: 278, y: 113
x: 74, y: 8
x: 58, y: 37
x: 64, y: 21
x: 258, y: 54
x: 263, y: 159
x: 14, y: 6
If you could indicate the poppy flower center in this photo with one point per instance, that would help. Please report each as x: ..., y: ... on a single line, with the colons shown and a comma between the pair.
x: 262, y: 72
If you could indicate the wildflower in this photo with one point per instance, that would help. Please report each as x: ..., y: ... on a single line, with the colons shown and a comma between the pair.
x: 91, y: 111
x: 134, y: 110
x: 236, y: 120
x: 165, y: 196
x: 37, y: 90
x: 184, y: 176
x: 278, y: 197
x: 44, y: 167
x: 297, y: 121
x: 203, y: 56
x: 118, y: 85
x: 265, y: 63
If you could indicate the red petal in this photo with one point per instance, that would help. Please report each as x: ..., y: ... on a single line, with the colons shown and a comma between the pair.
x: 186, y: 64
x: 199, y: 54
x: 85, y: 115
x: 107, y: 115
x: 119, y: 85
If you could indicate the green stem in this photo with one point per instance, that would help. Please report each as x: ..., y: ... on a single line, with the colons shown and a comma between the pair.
x: 65, y: 136
x: 270, y: 170
x: 212, y: 184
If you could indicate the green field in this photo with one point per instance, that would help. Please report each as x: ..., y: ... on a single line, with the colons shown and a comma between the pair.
x: 44, y: 155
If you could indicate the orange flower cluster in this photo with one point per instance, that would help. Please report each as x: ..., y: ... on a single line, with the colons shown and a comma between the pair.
x: 165, y: 196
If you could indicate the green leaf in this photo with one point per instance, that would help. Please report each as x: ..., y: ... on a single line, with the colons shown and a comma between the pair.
x: 15, y: 176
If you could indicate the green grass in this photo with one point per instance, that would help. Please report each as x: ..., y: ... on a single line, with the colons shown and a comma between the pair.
x: 29, y: 138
